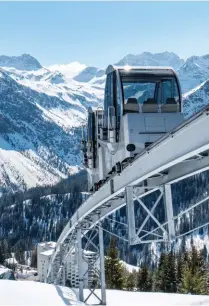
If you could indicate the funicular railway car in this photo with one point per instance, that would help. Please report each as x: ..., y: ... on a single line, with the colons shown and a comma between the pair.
x: 141, y: 104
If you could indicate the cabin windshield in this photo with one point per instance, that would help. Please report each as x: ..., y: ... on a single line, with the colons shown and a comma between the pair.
x: 150, y: 93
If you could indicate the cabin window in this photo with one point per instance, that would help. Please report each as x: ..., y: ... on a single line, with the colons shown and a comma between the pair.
x: 118, y: 100
x: 168, y: 90
x: 150, y: 93
x: 109, y: 94
x: 138, y: 90
x: 118, y: 108
x: 91, y: 127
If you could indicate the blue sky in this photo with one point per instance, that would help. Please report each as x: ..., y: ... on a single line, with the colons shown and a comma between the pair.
x: 99, y: 33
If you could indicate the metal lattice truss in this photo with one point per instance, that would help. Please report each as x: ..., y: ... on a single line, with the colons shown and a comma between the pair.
x: 95, y: 272
x: 178, y: 155
x: 168, y: 234
x: 87, y: 258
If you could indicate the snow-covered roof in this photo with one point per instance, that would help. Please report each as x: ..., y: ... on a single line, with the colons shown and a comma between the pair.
x: 51, y: 244
x: 48, y: 252
x: 154, y: 69
x: 11, y: 261
x: 85, y: 252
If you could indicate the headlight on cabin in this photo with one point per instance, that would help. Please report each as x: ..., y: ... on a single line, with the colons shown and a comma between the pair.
x: 131, y: 147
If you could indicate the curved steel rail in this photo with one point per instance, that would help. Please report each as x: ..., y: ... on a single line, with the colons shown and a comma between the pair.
x: 166, y: 161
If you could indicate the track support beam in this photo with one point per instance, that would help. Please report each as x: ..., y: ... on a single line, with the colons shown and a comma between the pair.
x: 130, y: 215
x: 79, y: 258
x: 169, y: 212
x: 102, y: 267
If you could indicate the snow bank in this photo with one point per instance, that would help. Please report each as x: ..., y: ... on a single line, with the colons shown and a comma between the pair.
x: 34, y: 293
x: 129, y: 268
x: 3, y: 269
x: 27, y: 293
x: 127, y: 298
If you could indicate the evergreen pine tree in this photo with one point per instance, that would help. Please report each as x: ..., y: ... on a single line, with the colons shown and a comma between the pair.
x: 195, y: 274
x: 171, y: 274
x: 159, y: 282
x: 193, y: 282
x: 130, y: 282
x: 144, y: 279
x: 155, y: 283
x: 180, y: 268
x: 114, y: 269
x: 150, y: 281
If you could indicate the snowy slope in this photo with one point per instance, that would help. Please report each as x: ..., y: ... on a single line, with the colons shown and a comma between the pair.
x: 124, y: 298
x: 128, y: 267
x: 89, y: 73
x: 41, y: 114
x: 35, y: 293
x: 196, y: 99
x: 25, y: 168
x: 27, y: 293
x: 194, y: 72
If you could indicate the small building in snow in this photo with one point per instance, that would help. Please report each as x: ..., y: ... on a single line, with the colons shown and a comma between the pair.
x: 44, y: 253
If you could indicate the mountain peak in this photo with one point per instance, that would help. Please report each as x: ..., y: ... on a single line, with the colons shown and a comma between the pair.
x: 22, y: 62
x: 152, y: 59
x: 89, y: 73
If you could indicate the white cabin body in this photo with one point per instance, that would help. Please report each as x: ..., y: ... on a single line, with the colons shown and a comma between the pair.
x: 141, y: 104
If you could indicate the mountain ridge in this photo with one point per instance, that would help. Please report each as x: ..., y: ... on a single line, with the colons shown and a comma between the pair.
x: 46, y: 135
x: 22, y: 62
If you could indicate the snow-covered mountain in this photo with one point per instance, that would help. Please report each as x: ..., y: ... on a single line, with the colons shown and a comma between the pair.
x: 194, y: 72
x: 196, y: 99
x: 150, y: 59
x: 89, y: 74
x: 42, y: 111
x: 23, y: 62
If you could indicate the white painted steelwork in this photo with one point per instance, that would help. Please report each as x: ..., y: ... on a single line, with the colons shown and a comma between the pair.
x: 166, y: 161
x: 140, y: 105
x: 175, y: 156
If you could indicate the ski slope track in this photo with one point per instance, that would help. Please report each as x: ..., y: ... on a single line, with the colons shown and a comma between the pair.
x: 177, y: 155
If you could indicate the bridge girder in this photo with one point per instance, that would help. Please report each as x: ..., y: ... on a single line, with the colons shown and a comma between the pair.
x: 176, y: 156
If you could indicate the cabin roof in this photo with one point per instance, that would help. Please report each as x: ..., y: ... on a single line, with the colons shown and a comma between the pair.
x: 156, y: 70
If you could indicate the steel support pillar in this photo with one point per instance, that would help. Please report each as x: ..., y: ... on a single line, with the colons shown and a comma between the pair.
x: 63, y: 276
x: 52, y: 275
x: 80, y: 259
x: 59, y: 280
x: 169, y: 212
x: 130, y: 215
x: 95, y: 270
x: 102, y: 268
